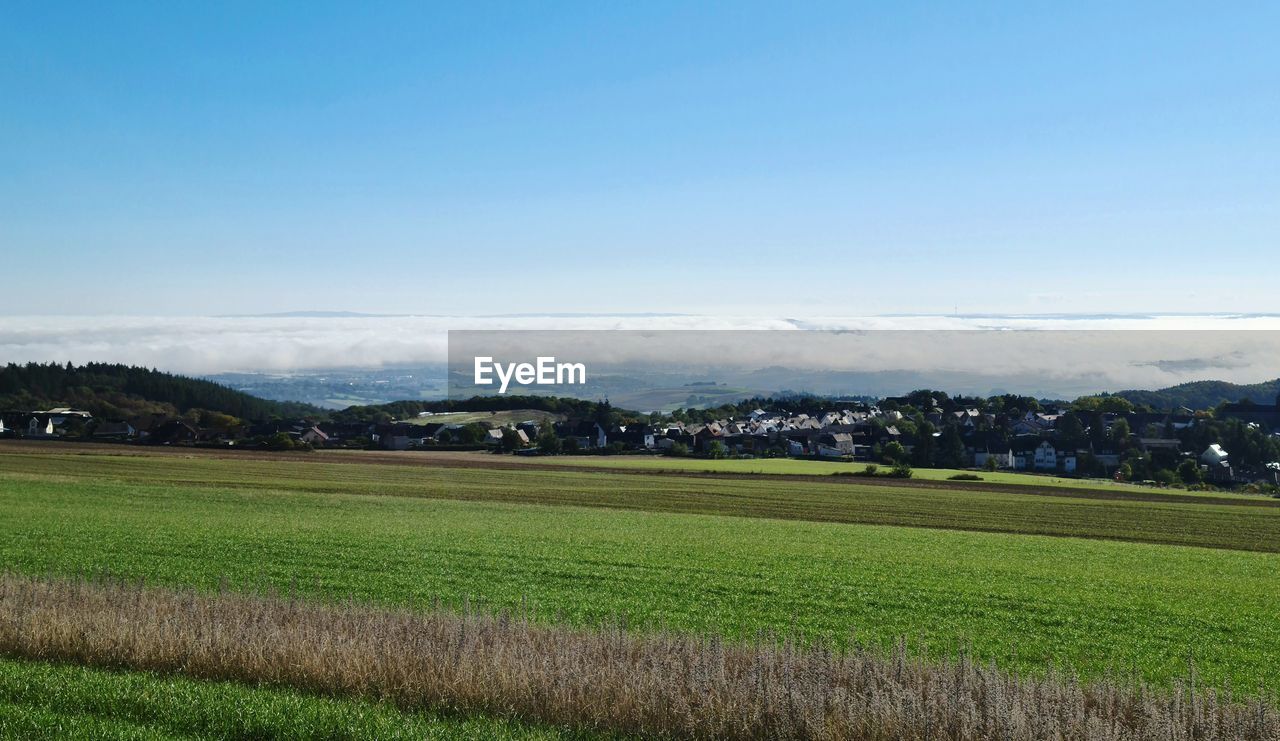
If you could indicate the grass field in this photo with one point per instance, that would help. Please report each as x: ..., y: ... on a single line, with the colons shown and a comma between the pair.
x: 1225, y: 521
x: 48, y: 701
x: 799, y: 467
x: 408, y: 534
x: 651, y: 685
x: 490, y: 419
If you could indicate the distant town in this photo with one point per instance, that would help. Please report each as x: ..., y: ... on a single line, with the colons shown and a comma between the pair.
x: 1232, y: 445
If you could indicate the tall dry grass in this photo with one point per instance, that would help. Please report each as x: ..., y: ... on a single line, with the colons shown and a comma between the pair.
x: 656, y: 685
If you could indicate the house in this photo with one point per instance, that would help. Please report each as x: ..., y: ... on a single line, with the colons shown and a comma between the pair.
x: 342, y: 431
x: 144, y: 424
x: 1108, y: 458
x: 1214, y: 455
x: 967, y: 418
x: 1216, y: 463
x: 114, y: 430
x: 1029, y: 426
x: 587, y: 433
x: 314, y: 436
x: 39, y: 425
x: 1001, y: 454
x: 399, y: 435
x: 174, y: 432
x: 834, y: 445
x: 635, y: 436
x: 1039, y: 454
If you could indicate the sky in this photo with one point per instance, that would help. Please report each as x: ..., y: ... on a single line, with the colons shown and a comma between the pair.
x: 816, y: 159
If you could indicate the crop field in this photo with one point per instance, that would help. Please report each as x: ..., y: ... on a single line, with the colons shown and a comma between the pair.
x: 40, y: 700
x: 1219, y: 521
x: 799, y: 467
x: 663, y: 550
x: 490, y: 419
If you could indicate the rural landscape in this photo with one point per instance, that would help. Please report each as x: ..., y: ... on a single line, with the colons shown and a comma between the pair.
x: 281, y: 586
x: 747, y: 371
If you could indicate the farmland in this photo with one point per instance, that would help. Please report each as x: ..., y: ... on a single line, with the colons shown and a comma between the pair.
x: 580, y: 547
x: 42, y: 700
x: 1222, y: 521
x: 796, y: 467
x: 502, y: 418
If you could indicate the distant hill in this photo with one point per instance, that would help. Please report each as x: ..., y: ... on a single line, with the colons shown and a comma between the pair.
x: 122, y: 391
x: 1204, y: 394
x: 559, y: 406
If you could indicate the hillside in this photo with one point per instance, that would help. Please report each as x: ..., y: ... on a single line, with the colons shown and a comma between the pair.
x: 1203, y: 394
x: 122, y: 391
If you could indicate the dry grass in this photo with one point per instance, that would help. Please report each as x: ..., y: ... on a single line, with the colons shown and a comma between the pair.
x: 656, y: 685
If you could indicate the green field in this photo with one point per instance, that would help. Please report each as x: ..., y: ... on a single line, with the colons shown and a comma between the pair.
x: 1225, y: 522
x: 800, y: 467
x: 407, y: 534
x: 39, y: 700
x: 490, y: 419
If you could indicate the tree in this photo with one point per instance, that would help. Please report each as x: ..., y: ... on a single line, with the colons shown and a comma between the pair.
x: 1120, y: 433
x: 511, y: 440
x: 925, y: 452
x: 893, y: 452
x: 1070, y: 428
x: 678, y: 450
x: 548, y: 443
x: 951, y: 453
x: 1189, y: 472
x: 716, y: 449
x: 992, y: 464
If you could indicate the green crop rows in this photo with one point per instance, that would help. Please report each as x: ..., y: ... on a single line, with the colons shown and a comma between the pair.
x: 1024, y: 600
x: 39, y: 700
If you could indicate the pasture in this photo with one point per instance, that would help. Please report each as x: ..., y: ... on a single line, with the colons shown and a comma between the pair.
x: 41, y: 700
x: 502, y: 418
x: 663, y: 550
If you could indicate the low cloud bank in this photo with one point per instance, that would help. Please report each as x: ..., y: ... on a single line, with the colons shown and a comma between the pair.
x: 206, y: 345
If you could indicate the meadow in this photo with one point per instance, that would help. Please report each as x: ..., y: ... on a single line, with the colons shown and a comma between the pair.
x: 801, y: 467
x: 43, y: 700
x: 643, y: 551
x: 1218, y: 521
x: 499, y: 418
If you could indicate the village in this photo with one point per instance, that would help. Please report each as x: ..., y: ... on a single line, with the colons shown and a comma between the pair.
x: 1234, y: 445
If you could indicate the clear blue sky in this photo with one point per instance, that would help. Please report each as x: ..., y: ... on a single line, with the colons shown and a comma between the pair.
x: 183, y: 158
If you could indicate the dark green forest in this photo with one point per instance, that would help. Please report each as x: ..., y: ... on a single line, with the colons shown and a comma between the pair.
x: 1203, y: 394
x: 114, y: 391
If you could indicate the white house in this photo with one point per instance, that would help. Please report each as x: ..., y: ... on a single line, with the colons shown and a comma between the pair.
x: 1214, y: 455
x: 1003, y: 458
x: 39, y: 426
x: 1045, y: 457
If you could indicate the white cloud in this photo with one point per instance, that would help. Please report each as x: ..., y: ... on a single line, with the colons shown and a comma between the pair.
x: 203, y: 345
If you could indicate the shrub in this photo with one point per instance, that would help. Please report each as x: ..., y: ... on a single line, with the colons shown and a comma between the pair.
x: 965, y: 477
x: 901, y: 471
